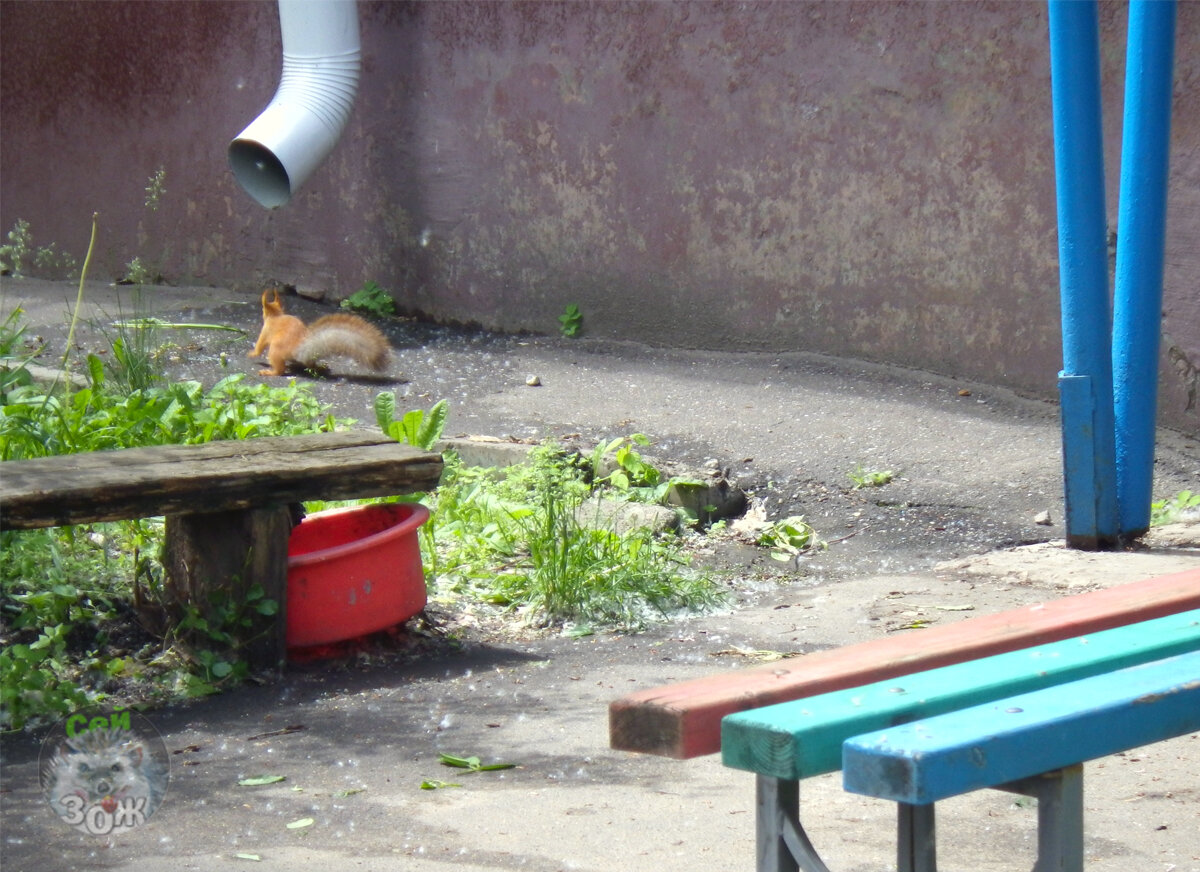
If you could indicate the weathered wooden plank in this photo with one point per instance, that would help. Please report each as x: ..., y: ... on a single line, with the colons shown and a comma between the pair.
x: 683, y: 720
x: 215, y: 476
x: 799, y: 739
x: 1025, y: 735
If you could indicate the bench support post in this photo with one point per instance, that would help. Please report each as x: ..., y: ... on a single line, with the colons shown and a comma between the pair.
x: 213, y: 559
x: 1060, y: 817
x: 782, y: 844
x: 1059, y: 795
x: 916, y: 842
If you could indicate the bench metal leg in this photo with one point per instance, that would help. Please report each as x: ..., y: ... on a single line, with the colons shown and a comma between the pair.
x: 783, y: 846
x: 1060, y: 817
x: 1060, y: 824
x: 916, y: 838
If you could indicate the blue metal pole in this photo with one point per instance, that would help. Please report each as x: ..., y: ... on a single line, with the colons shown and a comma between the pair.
x: 1085, y: 383
x: 1141, y: 223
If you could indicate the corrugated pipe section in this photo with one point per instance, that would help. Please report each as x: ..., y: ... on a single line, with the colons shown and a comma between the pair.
x: 322, y: 60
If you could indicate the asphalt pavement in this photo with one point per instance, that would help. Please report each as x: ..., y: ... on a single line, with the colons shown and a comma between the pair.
x: 961, y: 530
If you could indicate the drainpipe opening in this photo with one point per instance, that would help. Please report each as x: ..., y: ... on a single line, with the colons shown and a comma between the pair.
x: 260, y: 173
x: 322, y: 60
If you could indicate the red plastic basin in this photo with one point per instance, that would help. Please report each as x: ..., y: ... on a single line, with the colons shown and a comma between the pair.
x: 354, y: 571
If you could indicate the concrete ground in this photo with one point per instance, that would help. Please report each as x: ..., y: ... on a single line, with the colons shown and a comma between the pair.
x: 954, y: 535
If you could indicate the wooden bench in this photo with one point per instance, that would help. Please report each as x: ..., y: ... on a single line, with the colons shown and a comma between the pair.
x: 1033, y: 744
x: 226, y: 503
x: 856, y: 689
x: 683, y: 720
x: 786, y: 743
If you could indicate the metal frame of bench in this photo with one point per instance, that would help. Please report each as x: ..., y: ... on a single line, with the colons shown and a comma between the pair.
x: 783, y: 846
x: 1033, y: 743
x: 785, y: 743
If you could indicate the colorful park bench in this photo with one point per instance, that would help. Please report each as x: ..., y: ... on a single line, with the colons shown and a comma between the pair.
x: 1032, y: 744
x: 1125, y: 654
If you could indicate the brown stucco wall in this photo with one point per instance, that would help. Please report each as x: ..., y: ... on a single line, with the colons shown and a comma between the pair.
x: 872, y: 179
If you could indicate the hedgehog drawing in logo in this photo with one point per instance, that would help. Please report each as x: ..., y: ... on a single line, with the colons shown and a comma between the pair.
x: 103, y: 781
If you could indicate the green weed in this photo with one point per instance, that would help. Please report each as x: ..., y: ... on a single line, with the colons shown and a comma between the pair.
x: 1174, y: 509
x: 135, y: 345
x: 140, y: 270
x: 417, y: 427
x: 19, y: 252
x: 37, y: 423
x: 62, y: 593
x: 217, y: 634
x: 789, y: 538
x: 570, y: 321
x: 156, y: 188
x: 14, y: 252
x: 372, y: 299
x: 518, y: 539
x: 631, y: 474
x: 870, y: 477
x: 14, y: 358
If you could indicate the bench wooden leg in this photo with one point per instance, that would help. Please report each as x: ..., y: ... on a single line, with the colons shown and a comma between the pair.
x: 916, y: 838
x: 213, y: 558
x: 783, y: 846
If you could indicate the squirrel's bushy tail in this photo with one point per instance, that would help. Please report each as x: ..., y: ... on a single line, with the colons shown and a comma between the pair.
x: 344, y: 336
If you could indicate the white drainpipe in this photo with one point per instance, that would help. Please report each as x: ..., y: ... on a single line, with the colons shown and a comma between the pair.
x: 274, y: 156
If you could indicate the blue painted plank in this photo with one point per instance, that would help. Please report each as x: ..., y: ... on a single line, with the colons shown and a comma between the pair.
x: 1028, y: 734
x: 795, y: 740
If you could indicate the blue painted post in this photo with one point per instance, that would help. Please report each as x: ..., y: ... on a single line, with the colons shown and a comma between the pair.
x: 1085, y: 383
x: 1141, y: 223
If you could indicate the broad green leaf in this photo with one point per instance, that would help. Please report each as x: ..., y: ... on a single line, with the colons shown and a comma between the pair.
x: 95, y: 370
x: 411, y: 422
x: 433, y: 426
x: 473, y: 763
x: 385, y: 410
x: 459, y: 762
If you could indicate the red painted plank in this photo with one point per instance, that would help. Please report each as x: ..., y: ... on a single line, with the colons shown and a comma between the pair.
x: 683, y: 720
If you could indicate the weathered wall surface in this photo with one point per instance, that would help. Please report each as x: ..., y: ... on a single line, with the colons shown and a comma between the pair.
x: 872, y: 179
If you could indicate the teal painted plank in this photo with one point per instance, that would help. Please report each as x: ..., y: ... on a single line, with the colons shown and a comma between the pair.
x: 795, y: 740
x: 1028, y: 734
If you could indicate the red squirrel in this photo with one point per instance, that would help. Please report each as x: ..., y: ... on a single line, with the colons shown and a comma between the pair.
x: 285, y: 339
